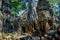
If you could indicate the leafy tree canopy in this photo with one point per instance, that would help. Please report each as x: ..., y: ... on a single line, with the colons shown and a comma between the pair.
x: 53, y: 1
x: 17, y: 4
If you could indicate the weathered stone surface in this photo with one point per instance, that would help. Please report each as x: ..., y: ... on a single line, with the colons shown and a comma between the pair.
x: 1, y: 16
x: 0, y: 2
x: 1, y: 19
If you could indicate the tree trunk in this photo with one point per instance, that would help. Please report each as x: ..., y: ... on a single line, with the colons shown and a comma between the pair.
x: 32, y: 14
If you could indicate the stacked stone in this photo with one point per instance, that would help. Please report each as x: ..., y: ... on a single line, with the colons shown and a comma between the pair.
x: 6, y: 10
x: 45, y: 14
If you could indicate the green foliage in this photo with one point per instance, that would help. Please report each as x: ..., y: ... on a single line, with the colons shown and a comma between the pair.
x: 54, y: 8
x: 53, y: 1
x: 14, y: 0
x: 17, y: 4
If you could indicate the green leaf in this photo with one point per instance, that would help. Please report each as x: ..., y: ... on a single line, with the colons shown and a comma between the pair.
x: 53, y: 1
x: 14, y: 0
